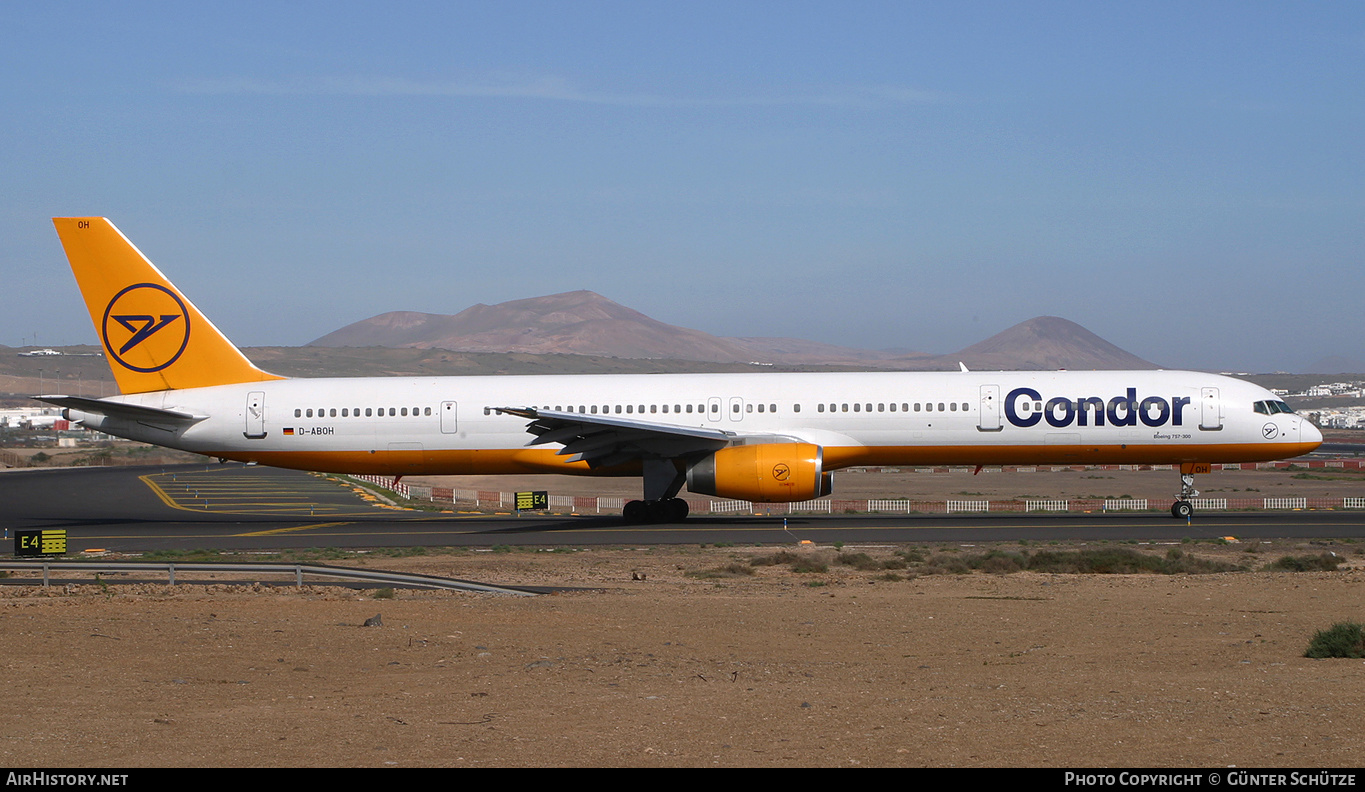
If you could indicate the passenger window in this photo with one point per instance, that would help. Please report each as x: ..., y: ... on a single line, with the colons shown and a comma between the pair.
x: 310, y: 412
x: 298, y: 413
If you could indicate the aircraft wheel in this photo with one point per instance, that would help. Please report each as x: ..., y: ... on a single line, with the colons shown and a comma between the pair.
x: 636, y: 512
x: 1182, y: 509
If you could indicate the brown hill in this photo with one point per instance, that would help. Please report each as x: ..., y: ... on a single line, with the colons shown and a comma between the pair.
x: 1047, y: 342
x: 577, y: 323
x: 586, y: 323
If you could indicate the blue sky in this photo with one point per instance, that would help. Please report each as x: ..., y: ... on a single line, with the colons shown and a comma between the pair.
x: 1184, y: 179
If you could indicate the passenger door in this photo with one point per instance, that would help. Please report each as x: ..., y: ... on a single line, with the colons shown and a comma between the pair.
x: 255, y: 415
x: 990, y: 409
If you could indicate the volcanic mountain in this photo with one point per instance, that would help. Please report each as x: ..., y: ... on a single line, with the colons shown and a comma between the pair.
x: 1048, y: 342
x: 586, y: 323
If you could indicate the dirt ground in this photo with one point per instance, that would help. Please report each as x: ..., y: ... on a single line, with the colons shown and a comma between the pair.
x: 657, y: 661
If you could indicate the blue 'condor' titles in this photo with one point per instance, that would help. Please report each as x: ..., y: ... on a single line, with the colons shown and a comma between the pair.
x: 1061, y: 411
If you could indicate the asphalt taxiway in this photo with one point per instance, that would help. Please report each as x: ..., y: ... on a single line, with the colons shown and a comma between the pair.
x: 232, y: 507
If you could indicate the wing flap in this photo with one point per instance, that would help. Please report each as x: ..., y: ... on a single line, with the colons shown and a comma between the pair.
x: 602, y: 440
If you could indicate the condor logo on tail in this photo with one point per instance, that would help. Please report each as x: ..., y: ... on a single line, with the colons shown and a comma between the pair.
x: 146, y: 327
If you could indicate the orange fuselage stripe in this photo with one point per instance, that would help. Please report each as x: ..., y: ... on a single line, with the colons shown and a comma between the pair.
x: 539, y: 460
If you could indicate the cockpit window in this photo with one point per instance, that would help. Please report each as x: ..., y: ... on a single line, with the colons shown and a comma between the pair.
x: 1272, y: 407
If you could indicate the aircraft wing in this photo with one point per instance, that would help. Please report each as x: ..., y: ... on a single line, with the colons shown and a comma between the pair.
x: 603, y: 440
x: 130, y: 412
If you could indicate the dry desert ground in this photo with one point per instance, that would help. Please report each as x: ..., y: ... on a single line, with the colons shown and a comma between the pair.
x: 669, y: 657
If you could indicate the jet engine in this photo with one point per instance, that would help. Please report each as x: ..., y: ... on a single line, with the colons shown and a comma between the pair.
x: 764, y: 473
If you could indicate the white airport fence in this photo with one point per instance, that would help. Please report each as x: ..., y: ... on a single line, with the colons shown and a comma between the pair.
x: 1207, y: 504
x: 579, y: 504
x: 1286, y: 503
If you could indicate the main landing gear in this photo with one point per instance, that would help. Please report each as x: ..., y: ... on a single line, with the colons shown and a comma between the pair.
x: 1182, y: 508
x: 664, y: 510
x: 663, y: 481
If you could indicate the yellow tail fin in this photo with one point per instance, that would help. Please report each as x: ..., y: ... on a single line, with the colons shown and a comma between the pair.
x: 155, y: 338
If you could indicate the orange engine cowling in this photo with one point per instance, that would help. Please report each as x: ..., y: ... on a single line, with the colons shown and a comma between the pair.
x: 766, y: 473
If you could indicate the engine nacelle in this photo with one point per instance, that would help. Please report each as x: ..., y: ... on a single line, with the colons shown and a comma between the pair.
x: 765, y: 473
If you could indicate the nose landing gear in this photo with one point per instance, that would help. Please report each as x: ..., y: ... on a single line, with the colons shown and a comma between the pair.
x: 1182, y: 508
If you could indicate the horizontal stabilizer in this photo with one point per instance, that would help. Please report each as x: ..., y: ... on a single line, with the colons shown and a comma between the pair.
x: 113, y: 409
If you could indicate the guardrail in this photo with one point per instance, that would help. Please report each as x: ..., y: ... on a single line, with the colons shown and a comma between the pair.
x: 298, y: 571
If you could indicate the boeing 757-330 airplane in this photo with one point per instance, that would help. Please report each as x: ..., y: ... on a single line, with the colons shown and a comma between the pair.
x: 771, y: 437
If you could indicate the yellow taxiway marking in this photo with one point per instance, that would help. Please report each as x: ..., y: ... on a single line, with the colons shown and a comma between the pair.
x: 274, y: 531
x: 228, y: 492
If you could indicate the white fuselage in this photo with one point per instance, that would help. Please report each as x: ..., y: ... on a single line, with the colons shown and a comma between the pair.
x: 449, y: 425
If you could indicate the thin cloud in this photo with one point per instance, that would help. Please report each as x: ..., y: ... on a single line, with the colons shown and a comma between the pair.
x: 552, y: 89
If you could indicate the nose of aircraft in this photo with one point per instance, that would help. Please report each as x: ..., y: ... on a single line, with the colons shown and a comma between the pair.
x: 1308, y: 433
